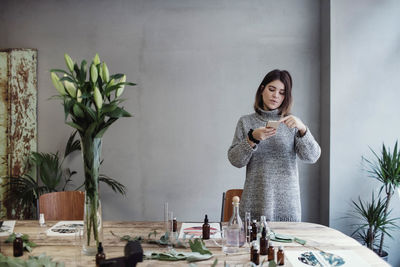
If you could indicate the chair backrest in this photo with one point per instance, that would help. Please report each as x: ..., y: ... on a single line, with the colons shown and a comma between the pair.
x: 65, y: 205
x: 227, y: 203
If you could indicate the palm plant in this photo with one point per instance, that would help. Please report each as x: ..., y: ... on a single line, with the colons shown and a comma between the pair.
x: 23, y: 191
x: 386, y: 169
x: 374, y: 220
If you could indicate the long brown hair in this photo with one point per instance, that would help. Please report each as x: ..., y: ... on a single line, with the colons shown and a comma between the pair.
x: 286, y: 79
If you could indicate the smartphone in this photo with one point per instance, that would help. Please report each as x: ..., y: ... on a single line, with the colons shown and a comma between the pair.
x: 273, y: 124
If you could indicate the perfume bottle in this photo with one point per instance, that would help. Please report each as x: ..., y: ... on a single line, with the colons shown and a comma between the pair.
x: 236, y: 222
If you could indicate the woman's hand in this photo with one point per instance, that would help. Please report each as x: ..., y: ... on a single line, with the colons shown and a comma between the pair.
x: 263, y: 133
x: 294, y: 122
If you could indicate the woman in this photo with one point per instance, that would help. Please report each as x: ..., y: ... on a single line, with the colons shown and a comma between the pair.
x: 272, y: 182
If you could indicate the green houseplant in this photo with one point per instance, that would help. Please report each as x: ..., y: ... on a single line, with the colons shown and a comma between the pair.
x: 372, y: 220
x: 375, y: 215
x: 23, y: 191
x: 92, y: 104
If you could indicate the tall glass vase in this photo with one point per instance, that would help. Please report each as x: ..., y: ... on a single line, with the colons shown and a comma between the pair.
x: 93, y: 226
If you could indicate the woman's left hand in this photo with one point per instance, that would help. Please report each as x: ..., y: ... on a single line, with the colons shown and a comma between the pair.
x: 294, y: 122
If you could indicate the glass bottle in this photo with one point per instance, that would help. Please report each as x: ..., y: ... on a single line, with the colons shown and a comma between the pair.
x: 236, y: 222
x: 264, y: 243
x: 206, y: 228
x: 254, y: 231
x: 280, y: 256
x: 18, y: 246
x: 264, y: 224
x: 271, y: 252
x: 100, y: 254
x: 254, y: 255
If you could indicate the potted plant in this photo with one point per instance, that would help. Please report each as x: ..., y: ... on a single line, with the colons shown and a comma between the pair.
x: 386, y: 169
x: 24, y: 191
x: 373, y: 221
x: 92, y: 103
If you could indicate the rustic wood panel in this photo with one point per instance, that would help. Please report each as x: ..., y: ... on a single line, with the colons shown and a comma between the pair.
x: 18, y: 123
x: 68, y: 249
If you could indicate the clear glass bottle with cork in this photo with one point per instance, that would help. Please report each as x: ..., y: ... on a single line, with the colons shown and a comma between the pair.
x: 236, y: 222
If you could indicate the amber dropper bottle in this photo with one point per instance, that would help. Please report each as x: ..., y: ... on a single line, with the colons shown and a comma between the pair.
x: 206, y: 228
x: 100, y: 255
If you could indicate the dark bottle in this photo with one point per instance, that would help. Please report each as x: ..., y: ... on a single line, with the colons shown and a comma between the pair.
x: 18, y: 246
x: 280, y: 256
x: 264, y: 243
x: 253, y: 231
x: 271, y: 252
x: 174, y: 225
x: 100, y: 255
x: 206, y: 228
x: 254, y: 256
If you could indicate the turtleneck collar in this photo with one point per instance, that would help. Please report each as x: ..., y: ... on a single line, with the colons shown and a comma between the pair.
x: 267, y: 115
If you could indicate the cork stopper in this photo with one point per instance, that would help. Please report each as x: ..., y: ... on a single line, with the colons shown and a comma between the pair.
x: 236, y: 199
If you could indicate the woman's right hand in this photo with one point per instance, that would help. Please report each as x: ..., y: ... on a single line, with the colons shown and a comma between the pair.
x: 263, y: 133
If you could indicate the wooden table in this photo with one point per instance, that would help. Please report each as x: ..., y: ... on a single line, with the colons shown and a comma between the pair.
x: 67, y: 250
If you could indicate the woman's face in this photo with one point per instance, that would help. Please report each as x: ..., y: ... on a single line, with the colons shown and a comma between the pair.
x: 273, y: 95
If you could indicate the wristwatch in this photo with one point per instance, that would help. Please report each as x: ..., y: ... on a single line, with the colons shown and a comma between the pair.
x: 251, y: 137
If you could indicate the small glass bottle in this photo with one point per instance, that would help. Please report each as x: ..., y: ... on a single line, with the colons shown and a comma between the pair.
x: 174, y: 225
x: 253, y: 230
x: 100, y: 255
x: 206, y: 228
x: 264, y: 224
x: 264, y: 243
x: 254, y: 255
x: 280, y: 256
x: 18, y: 245
x: 271, y: 252
x: 236, y: 222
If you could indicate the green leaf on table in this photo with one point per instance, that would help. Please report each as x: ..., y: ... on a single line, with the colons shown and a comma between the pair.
x: 272, y: 263
x: 198, y: 246
x: 300, y: 241
x: 214, y: 263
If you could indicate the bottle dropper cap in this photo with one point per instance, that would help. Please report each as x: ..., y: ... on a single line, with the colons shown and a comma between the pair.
x: 263, y: 233
x: 100, y: 248
x: 206, y: 219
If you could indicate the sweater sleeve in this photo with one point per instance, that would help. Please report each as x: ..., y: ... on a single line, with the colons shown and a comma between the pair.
x: 307, y: 149
x: 240, y: 152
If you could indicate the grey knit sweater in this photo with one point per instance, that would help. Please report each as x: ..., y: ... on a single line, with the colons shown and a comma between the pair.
x: 272, y: 180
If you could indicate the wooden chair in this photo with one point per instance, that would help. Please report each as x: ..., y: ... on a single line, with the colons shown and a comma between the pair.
x: 226, y: 211
x: 65, y: 205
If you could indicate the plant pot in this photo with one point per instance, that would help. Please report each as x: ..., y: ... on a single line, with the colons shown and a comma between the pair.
x: 384, y: 256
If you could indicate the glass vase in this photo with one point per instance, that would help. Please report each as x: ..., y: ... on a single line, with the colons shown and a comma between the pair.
x: 93, y: 225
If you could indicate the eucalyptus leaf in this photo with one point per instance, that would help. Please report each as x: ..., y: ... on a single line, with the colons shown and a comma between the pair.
x: 197, y: 245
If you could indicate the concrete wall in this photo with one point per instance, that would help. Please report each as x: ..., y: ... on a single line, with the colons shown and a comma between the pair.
x: 365, y: 64
x: 197, y: 65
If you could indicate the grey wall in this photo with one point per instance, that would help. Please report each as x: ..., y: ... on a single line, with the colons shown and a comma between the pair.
x: 365, y: 64
x: 197, y: 65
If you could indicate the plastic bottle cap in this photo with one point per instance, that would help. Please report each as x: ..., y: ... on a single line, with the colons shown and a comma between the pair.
x: 280, y: 247
x: 18, y: 235
x: 100, y: 248
x: 206, y: 219
x: 236, y: 199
